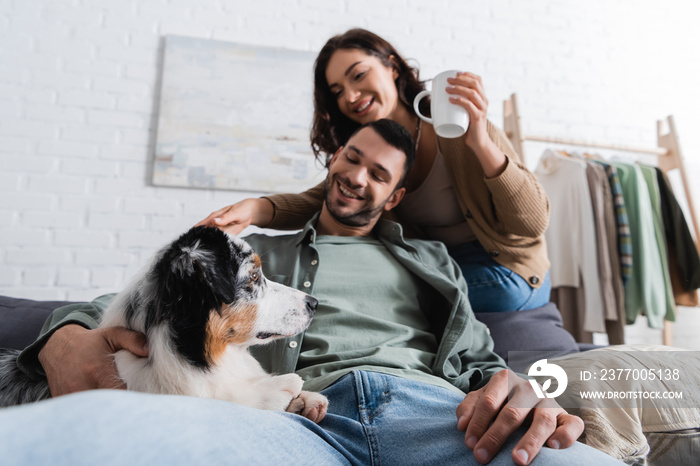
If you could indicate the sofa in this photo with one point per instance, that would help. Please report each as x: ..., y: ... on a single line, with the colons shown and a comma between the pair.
x: 675, y: 441
x: 21, y: 320
x: 537, y: 330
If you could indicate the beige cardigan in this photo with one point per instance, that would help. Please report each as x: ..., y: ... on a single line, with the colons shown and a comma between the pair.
x: 508, y: 213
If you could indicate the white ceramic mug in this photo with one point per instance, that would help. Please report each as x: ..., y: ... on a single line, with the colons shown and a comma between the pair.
x: 449, y: 120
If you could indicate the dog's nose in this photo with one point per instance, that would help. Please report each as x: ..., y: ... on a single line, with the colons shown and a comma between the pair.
x: 311, y: 305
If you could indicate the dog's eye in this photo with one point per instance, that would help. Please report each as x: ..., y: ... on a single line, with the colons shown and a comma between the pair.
x: 254, y: 276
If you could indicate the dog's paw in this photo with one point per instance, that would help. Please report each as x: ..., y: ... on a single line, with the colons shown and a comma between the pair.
x: 276, y: 392
x: 290, y: 383
x: 311, y: 405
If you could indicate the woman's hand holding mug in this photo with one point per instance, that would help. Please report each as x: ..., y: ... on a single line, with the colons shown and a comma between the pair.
x: 448, y: 119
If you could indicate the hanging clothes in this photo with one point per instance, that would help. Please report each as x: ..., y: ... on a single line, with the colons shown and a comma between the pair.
x: 657, y: 218
x: 645, y: 291
x: 596, y: 186
x: 683, y: 257
x: 608, y: 256
x: 624, y: 242
x: 571, y: 238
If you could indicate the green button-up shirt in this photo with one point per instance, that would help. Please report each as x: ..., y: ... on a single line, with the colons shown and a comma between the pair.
x: 464, y: 357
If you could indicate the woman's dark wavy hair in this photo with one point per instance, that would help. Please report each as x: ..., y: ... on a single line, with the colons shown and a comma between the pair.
x: 330, y: 128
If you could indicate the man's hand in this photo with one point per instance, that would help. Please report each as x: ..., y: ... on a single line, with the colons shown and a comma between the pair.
x: 488, y: 418
x: 77, y: 359
x: 237, y: 217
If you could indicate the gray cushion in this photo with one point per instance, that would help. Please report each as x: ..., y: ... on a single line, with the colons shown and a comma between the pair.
x: 538, y: 329
x: 21, y: 320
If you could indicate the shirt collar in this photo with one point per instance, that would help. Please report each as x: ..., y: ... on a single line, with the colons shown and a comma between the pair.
x: 385, y: 229
x: 309, y: 230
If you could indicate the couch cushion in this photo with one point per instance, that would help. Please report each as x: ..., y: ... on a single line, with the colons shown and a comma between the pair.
x: 538, y: 329
x: 21, y: 320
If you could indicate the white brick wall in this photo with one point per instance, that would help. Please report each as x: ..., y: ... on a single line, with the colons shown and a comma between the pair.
x: 79, y: 86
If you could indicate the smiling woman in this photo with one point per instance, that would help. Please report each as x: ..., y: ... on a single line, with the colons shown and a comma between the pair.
x: 364, y: 87
x: 472, y: 193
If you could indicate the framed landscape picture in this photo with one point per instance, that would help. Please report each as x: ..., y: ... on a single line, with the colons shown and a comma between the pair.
x: 235, y: 116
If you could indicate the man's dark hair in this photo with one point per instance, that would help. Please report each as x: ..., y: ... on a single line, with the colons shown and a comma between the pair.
x: 396, y: 136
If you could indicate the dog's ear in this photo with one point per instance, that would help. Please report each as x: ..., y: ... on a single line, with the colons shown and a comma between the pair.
x: 195, y: 276
x: 197, y: 268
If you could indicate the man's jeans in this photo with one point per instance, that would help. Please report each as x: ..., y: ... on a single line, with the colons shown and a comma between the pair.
x: 495, y: 288
x: 372, y: 419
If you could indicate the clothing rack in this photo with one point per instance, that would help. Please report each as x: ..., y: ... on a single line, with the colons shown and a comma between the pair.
x: 668, y: 154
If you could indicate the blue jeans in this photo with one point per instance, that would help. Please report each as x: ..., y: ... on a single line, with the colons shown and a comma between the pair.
x: 372, y: 419
x: 493, y: 287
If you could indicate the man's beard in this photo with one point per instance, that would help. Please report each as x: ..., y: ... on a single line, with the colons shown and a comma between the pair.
x: 358, y: 219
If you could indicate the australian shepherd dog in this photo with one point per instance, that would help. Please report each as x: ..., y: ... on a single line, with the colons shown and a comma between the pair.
x: 202, y: 302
